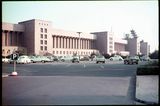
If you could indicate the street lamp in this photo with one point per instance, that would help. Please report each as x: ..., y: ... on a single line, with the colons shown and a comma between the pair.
x: 79, y: 43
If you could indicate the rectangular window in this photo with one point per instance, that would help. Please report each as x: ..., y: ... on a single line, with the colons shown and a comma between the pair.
x: 41, y: 29
x: 41, y: 41
x: 45, y: 30
x: 45, y: 42
x: 45, y: 36
x: 111, y: 51
x: 53, y: 52
x: 110, y: 38
x: 41, y: 47
x: 45, y: 47
x: 41, y: 35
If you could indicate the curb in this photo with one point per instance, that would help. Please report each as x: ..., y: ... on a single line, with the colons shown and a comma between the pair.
x: 143, y: 101
x: 3, y: 76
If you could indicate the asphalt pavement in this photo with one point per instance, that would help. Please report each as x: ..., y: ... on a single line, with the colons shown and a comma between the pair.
x: 69, y: 83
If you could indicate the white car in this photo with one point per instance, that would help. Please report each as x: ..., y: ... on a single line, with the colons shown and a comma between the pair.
x: 5, y: 60
x: 145, y: 58
x: 116, y: 58
x: 23, y: 59
x: 100, y: 58
x: 66, y: 58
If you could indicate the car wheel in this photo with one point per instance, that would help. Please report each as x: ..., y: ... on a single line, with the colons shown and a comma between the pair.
x: 97, y: 62
x: 111, y: 59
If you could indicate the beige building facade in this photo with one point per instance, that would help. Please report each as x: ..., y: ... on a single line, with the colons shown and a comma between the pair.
x: 38, y: 37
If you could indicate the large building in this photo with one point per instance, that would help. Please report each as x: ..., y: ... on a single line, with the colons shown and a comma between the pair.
x: 144, y: 48
x: 38, y: 37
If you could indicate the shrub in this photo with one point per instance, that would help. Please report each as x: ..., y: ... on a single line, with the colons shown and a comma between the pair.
x: 151, y: 68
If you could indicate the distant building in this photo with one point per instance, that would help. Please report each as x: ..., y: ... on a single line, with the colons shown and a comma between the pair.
x: 37, y: 37
x: 104, y: 42
x: 133, y: 46
x: 120, y: 47
x: 144, y: 48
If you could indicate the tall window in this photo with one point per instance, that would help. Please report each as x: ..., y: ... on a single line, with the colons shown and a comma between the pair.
x: 45, y: 42
x: 45, y: 36
x: 41, y: 35
x: 45, y: 30
x: 45, y: 48
x: 41, y: 29
x: 41, y: 47
x: 41, y: 41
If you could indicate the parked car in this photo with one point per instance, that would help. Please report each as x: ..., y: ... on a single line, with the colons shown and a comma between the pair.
x: 5, y: 60
x: 23, y: 59
x: 85, y: 58
x: 100, y: 58
x: 116, y: 58
x: 131, y: 60
x: 35, y: 59
x: 75, y: 59
x: 145, y: 58
x: 66, y: 58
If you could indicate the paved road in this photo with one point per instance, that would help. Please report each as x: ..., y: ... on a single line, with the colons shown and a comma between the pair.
x: 69, y: 83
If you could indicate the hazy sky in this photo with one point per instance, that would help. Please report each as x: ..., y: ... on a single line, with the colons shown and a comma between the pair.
x: 91, y: 16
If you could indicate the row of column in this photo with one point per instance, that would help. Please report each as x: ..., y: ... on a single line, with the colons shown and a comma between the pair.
x: 10, y: 38
x: 72, y: 43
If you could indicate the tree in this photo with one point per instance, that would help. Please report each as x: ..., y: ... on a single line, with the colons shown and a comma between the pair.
x: 127, y: 36
x: 154, y: 55
x: 106, y: 55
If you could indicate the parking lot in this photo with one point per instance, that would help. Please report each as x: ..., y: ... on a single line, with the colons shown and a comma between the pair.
x: 60, y: 83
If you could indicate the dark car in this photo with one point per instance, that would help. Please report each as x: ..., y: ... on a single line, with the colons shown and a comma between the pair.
x: 75, y: 60
x: 131, y: 60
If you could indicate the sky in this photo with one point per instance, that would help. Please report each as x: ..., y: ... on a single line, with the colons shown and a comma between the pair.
x: 91, y: 16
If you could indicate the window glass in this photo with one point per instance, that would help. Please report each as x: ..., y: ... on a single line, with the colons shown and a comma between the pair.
x: 41, y: 41
x: 45, y: 36
x: 41, y: 29
x: 41, y: 47
x: 41, y: 35
x: 45, y: 48
x: 45, y: 30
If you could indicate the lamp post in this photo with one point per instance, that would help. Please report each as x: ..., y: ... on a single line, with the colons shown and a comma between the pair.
x: 79, y: 43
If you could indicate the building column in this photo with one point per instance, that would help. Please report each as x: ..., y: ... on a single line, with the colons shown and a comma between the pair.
x: 85, y: 44
x: 81, y: 43
x: 72, y: 43
x: 11, y: 38
x: 6, y: 38
x: 64, y: 44
x: 67, y: 43
x: 55, y: 41
x: 3, y: 38
x: 18, y: 34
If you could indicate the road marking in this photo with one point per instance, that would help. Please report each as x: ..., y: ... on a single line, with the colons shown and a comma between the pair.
x: 68, y: 65
x: 84, y: 65
x: 102, y: 66
x: 116, y: 69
